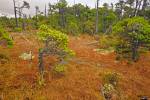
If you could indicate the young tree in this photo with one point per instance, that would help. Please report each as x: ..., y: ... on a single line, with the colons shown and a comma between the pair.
x: 5, y: 37
x: 134, y: 33
x: 56, y: 43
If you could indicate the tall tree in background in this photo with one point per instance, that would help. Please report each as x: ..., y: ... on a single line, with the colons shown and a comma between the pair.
x: 24, y: 17
x: 97, y: 8
x: 120, y: 8
x: 104, y: 16
x: 15, y: 11
x: 45, y: 10
x: 128, y: 9
x: 50, y: 9
x: 61, y: 5
x: 138, y: 4
x: 37, y: 11
x: 19, y: 10
x: 146, y: 4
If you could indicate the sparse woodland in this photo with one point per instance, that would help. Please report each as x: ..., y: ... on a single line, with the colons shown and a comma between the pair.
x: 76, y: 52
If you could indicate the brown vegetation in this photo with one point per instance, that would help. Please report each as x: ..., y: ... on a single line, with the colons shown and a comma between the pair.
x: 82, y: 80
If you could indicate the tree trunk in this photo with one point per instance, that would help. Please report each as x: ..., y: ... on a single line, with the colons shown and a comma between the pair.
x: 97, y: 15
x: 45, y: 11
x: 62, y: 18
x: 41, y: 67
x: 144, y: 6
x: 135, y: 50
x: 121, y: 14
x: 24, y: 22
x: 137, y: 7
x: 15, y: 11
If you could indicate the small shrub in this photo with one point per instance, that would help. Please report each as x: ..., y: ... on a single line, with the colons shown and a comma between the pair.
x: 17, y: 30
x: 108, y: 90
x: 4, y: 35
x: 89, y: 27
x: 59, y: 68
x: 111, y: 78
x: 60, y: 38
x: 73, y: 28
x: 108, y: 41
x: 3, y: 56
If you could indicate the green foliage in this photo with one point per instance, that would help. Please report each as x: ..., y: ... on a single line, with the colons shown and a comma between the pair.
x: 73, y: 28
x: 134, y: 33
x: 107, y: 18
x: 5, y: 36
x: 59, y: 37
x: 137, y: 24
x: 89, y: 27
x: 72, y: 25
x: 62, y: 4
x: 108, y: 41
x: 17, y: 29
x: 60, y: 68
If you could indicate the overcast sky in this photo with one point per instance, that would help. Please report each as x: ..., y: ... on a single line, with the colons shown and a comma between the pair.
x: 6, y: 6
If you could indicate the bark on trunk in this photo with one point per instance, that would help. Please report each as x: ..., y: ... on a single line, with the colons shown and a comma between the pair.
x: 15, y: 11
x: 97, y: 15
x: 135, y: 50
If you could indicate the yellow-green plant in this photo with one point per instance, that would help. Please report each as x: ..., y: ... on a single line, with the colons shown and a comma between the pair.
x: 56, y: 43
x: 108, y: 41
x: 134, y: 33
x: 60, y: 68
x: 4, y: 35
x: 60, y: 38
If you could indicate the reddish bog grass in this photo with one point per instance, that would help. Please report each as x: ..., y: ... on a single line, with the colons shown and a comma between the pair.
x: 82, y: 80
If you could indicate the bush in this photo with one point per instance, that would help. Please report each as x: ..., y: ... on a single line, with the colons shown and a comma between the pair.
x: 110, y: 84
x: 6, y: 37
x: 56, y: 44
x: 134, y: 33
x: 59, y: 68
x: 89, y: 27
x: 73, y: 28
x: 108, y: 91
x: 17, y: 29
x: 111, y: 78
x: 60, y: 38
x: 108, y: 41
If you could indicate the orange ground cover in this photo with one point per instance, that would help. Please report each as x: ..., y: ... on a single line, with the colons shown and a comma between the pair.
x: 82, y: 80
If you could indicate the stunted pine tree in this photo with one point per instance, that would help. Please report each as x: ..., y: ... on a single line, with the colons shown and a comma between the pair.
x: 134, y: 34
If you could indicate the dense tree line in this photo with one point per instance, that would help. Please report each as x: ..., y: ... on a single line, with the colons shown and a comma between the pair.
x: 80, y: 18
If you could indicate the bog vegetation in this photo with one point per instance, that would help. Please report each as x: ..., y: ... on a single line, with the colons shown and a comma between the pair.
x: 122, y: 29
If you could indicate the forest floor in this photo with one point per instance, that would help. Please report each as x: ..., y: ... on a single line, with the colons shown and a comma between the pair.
x: 82, y: 80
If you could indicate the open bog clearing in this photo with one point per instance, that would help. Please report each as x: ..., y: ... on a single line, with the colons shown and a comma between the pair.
x: 82, y: 79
